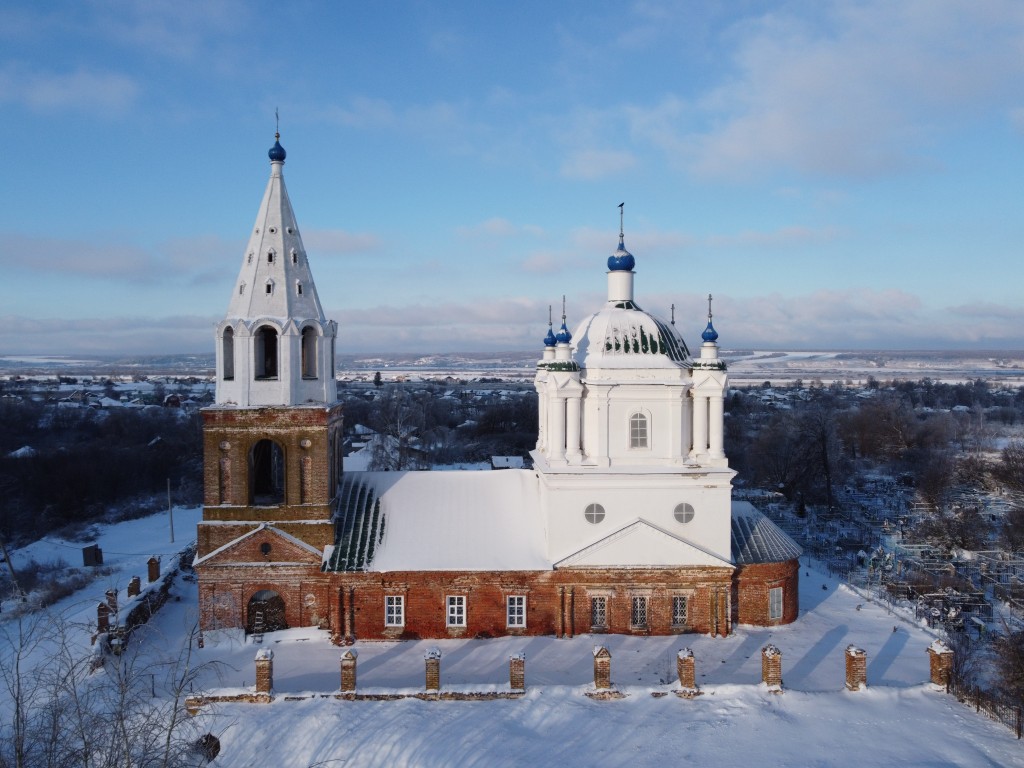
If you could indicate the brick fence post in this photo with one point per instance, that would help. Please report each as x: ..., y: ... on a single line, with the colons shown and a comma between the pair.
x: 856, y: 668
x: 517, y: 672
x: 433, y: 659
x: 112, y: 600
x: 102, y: 617
x: 153, y: 564
x: 771, y: 667
x: 264, y: 671
x: 602, y: 667
x: 348, y: 670
x: 686, y: 669
x: 134, y: 586
x: 940, y: 663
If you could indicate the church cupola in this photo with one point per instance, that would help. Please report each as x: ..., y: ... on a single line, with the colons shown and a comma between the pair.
x: 550, y: 341
x: 709, y: 349
x: 620, y: 270
x: 275, y: 346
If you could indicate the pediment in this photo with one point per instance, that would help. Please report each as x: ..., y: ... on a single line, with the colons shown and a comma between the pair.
x: 285, y: 549
x: 642, y: 545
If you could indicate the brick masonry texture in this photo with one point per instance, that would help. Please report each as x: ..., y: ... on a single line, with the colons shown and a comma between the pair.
x: 557, y: 602
x: 351, y: 605
x: 750, y: 596
x: 856, y: 669
x: 771, y: 669
x: 940, y: 667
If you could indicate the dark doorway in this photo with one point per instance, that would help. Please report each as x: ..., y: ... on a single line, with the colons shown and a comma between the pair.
x: 266, y: 613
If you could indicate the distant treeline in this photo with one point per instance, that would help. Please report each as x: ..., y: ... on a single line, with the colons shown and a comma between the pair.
x: 81, y: 464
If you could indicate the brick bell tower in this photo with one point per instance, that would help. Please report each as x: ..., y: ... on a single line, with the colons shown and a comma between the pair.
x: 272, y: 440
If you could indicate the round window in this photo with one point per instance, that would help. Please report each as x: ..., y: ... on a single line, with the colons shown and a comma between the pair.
x: 594, y: 513
x: 683, y: 513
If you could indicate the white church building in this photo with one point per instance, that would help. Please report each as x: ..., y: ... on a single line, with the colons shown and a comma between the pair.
x: 625, y: 523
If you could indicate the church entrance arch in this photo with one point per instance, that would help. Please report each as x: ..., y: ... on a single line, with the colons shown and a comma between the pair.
x: 265, y: 612
x: 266, y: 473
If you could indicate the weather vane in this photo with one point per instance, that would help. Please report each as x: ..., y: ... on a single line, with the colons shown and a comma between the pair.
x: 277, y: 124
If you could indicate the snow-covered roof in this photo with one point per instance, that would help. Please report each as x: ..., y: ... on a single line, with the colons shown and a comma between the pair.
x: 756, y: 539
x: 433, y: 521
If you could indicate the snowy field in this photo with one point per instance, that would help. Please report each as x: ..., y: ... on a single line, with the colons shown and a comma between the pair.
x: 815, y: 722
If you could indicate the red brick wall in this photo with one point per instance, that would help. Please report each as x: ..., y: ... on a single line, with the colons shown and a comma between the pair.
x: 750, y: 592
x: 306, y: 435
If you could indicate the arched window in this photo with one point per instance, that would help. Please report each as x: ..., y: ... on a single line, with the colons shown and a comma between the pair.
x: 266, y: 353
x: 309, y: 338
x: 638, y: 431
x: 266, y: 474
x: 228, y: 353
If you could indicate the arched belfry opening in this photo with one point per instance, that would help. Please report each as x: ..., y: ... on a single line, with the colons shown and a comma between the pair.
x: 228, y: 354
x: 309, y: 352
x: 266, y: 353
x: 266, y: 474
x: 265, y: 612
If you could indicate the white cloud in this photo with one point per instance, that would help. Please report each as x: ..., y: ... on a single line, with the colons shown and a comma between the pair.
x: 840, y: 90
x: 167, y: 28
x: 591, y: 164
x: 338, y: 241
x: 1017, y: 119
x: 115, y: 335
x: 794, y: 235
x: 195, y: 260
x: 863, y: 90
x: 82, y: 89
x: 498, y: 227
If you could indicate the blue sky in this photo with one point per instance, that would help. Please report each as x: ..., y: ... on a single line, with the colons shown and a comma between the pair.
x: 838, y: 175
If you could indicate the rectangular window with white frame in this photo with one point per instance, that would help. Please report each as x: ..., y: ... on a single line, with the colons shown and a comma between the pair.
x: 638, y: 614
x: 394, y: 611
x: 679, y: 611
x: 456, y: 611
x: 775, y: 603
x: 516, y: 611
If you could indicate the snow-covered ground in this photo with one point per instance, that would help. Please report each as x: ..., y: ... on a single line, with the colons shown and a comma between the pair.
x: 899, y: 719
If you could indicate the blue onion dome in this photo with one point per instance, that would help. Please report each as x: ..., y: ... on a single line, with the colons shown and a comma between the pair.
x: 622, y: 260
x: 710, y: 334
x: 550, y: 340
x: 277, y: 153
x: 563, y: 337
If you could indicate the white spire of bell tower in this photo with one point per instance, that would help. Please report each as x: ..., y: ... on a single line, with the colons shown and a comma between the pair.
x: 275, y: 346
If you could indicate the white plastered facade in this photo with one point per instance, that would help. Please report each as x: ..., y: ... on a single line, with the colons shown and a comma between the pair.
x: 275, y: 347
x: 631, y: 423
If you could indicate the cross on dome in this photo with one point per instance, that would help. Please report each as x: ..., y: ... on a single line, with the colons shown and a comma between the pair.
x: 622, y: 260
x: 710, y: 334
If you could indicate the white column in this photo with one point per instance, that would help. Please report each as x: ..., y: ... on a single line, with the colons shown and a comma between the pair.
x: 686, y: 422
x: 556, y: 437
x: 572, y: 428
x: 716, y: 426
x: 542, y: 420
x: 700, y: 425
